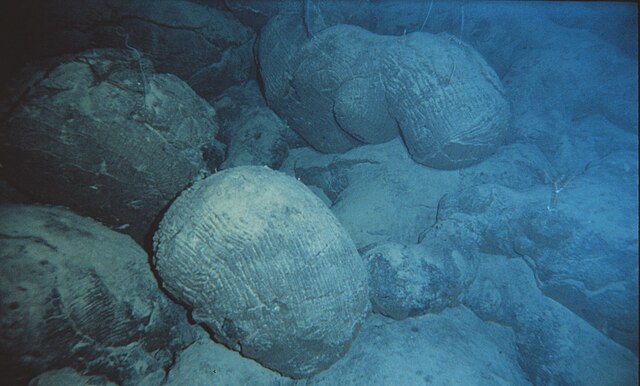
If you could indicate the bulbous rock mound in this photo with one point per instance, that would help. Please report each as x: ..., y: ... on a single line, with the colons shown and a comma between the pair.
x: 266, y: 266
x: 346, y: 86
x: 101, y: 134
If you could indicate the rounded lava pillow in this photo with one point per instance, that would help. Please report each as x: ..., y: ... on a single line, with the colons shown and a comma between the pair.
x: 85, y: 131
x: 264, y: 264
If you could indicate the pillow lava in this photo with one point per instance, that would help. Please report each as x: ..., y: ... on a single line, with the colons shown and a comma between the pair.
x: 266, y: 266
x: 92, y: 132
x: 345, y: 86
x: 205, y: 46
x: 76, y: 294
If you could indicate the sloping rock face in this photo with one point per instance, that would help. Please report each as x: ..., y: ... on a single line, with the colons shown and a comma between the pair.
x: 568, y: 215
x: 264, y: 264
x: 206, y: 362
x: 412, y: 352
x: 68, y: 376
x: 554, y: 345
x: 75, y: 294
x: 99, y: 133
x: 345, y: 86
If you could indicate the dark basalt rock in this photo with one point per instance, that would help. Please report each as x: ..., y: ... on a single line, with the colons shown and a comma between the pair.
x: 417, y: 279
x: 101, y: 133
x: 206, y: 47
x: 75, y: 294
x: 254, y: 134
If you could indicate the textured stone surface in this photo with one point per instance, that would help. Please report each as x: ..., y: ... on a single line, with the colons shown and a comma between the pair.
x: 208, y: 48
x: 345, y: 86
x: 412, y: 280
x: 453, y: 347
x: 89, y: 132
x: 256, y: 13
x: 70, y: 377
x: 75, y: 294
x: 569, y: 210
x: 209, y: 363
x: 305, y: 79
x: 264, y: 264
x: 449, y: 103
x: 256, y: 138
x: 377, y: 191
x: 555, y: 346
x: 254, y: 134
